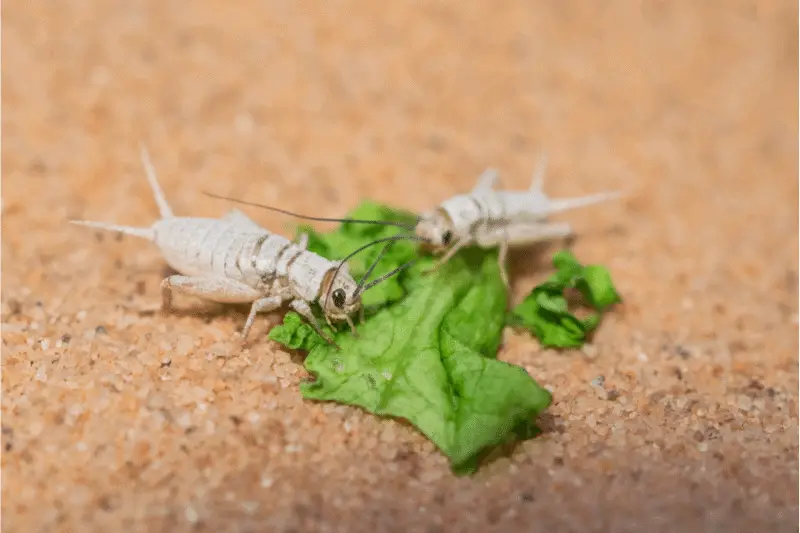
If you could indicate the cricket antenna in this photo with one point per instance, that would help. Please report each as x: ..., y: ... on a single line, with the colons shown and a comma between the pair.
x: 369, y: 271
x: 383, y: 278
x: 407, y: 227
x: 368, y: 245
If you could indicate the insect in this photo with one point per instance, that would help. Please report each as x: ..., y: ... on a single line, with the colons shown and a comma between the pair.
x: 486, y: 217
x: 234, y: 260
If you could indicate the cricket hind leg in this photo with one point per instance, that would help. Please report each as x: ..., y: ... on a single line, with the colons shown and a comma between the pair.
x: 220, y: 290
x: 522, y: 234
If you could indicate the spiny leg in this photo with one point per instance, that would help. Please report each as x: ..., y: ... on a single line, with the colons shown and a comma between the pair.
x: 262, y: 305
x: 304, y: 310
x: 450, y: 253
x: 302, y: 241
x: 221, y: 290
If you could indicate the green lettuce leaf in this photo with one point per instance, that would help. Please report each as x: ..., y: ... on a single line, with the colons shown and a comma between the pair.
x: 427, y: 355
x: 545, y: 311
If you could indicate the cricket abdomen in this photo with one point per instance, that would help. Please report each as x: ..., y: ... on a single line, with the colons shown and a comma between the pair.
x: 207, y: 247
x: 263, y: 260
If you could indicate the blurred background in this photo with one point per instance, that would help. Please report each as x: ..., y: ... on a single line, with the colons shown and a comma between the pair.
x: 689, y: 106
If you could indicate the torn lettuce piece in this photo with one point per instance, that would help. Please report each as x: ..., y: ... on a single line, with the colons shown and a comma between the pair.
x: 296, y: 334
x: 431, y: 360
x: 545, y: 311
x: 428, y: 356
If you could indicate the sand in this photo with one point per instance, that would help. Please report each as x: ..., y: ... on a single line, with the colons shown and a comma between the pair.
x: 117, y: 420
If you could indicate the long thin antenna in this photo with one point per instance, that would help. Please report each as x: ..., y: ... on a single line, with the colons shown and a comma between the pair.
x: 390, y: 274
x: 406, y: 227
x: 371, y: 268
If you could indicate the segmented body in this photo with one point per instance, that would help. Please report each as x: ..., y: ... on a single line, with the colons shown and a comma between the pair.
x: 243, y: 252
x: 490, y: 218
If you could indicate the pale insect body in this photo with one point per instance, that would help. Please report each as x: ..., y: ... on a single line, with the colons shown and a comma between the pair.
x: 489, y: 218
x: 486, y: 217
x: 234, y: 260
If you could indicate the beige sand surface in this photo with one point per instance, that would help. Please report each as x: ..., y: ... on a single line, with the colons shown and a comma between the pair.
x: 117, y: 421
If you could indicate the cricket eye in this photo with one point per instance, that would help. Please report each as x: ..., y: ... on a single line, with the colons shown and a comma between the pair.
x: 339, y: 298
x: 447, y: 237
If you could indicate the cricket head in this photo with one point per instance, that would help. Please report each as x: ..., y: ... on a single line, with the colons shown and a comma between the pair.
x: 340, y: 296
x: 435, y: 229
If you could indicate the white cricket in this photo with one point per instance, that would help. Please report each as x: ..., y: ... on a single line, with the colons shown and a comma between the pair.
x: 486, y: 217
x: 489, y: 218
x: 234, y: 260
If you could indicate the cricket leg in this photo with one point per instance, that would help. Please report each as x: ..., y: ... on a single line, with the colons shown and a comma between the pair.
x: 450, y: 253
x: 352, y: 326
x: 523, y: 234
x: 520, y: 235
x: 304, y: 310
x: 349, y: 321
x: 501, y: 260
x: 262, y: 305
x: 220, y: 290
